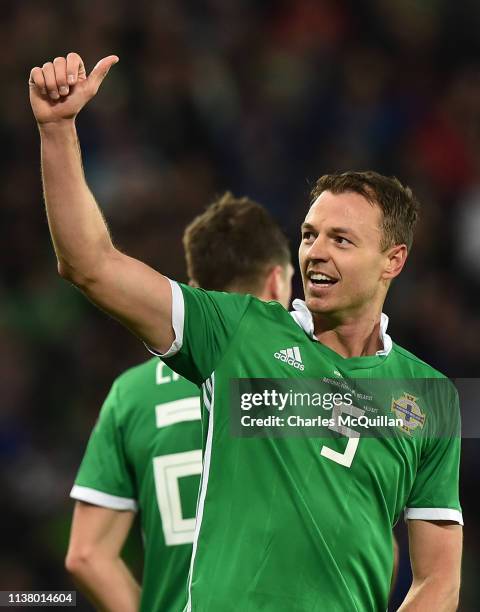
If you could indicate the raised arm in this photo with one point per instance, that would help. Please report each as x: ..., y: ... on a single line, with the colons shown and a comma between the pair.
x: 435, y: 555
x: 129, y: 290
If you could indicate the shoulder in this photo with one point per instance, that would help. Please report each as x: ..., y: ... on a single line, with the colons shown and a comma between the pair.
x: 269, y: 308
x: 127, y: 388
x: 437, y: 385
x: 230, y: 304
x: 204, y: 303
x: 261, y: 315
x: 415, y: 364
x: 216, y: 296
x: 417, y: 368
x: 137, y: 374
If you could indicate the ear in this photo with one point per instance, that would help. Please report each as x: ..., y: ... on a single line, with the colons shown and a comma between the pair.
x: 274, y: 284
x: 395, y: 260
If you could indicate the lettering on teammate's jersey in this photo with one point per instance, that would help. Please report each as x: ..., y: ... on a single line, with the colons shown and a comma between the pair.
x: 407, y: 409
x: 161, y: 378
x: 291, y: 356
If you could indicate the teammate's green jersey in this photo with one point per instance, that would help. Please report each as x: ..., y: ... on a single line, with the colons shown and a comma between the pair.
x: 298, y: 523
x: 145, y: 453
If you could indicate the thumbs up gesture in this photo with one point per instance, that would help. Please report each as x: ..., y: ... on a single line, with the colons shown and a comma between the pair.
x: 60, y: 89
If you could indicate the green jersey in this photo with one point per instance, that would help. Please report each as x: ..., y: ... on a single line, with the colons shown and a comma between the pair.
x: 298, y: 523
x: 145, y: 453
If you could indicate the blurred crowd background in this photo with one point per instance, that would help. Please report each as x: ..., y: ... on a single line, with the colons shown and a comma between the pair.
x: 259, y: 97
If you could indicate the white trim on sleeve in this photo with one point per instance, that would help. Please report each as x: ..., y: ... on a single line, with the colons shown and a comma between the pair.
x: 178, y: 319
x: 434, y: 514
x: 99, y: 498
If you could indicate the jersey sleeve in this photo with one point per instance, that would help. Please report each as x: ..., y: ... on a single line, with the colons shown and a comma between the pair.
x: 204, y: 323
x: 104, y: 478
x: 435, y: 492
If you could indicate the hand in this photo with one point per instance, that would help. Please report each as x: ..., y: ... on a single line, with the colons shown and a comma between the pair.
x: 59, y: 90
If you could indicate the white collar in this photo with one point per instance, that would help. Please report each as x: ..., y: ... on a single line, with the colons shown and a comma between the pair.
x: 304, y: 318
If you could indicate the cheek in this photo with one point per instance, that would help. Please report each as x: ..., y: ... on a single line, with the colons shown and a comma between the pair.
x: 301, y: 256
x: 350, y: 264
x: 360, y: 271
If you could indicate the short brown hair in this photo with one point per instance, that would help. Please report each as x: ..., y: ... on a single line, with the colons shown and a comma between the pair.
x: 232, y: 245
x: 399, y: 206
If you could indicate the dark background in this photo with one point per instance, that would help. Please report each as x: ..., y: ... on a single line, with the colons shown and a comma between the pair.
x: 257, y: 97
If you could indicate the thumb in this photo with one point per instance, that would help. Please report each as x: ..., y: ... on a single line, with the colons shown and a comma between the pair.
x: 100, y: 71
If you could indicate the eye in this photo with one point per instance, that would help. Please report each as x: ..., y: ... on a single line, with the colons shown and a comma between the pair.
x: 307, y: 235
x: 342, y: 241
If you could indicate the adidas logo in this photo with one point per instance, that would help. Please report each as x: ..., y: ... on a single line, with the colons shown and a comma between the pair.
x: 291, y: 356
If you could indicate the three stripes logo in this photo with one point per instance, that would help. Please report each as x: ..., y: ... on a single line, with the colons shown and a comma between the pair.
x: 291, y: 356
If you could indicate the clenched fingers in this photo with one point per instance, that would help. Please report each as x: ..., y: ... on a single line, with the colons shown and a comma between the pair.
x: 56, y: 78
x: 60, y: 69
x: 37, y: 80
x: 75, y: 68
x: 50, y: 80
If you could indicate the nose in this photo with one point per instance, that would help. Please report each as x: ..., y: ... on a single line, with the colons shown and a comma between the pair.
x: 318, y: 250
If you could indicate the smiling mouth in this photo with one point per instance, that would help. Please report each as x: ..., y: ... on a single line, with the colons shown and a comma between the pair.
x: 321, y: 280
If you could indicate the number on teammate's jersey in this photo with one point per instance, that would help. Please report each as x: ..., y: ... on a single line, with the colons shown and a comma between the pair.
x: 168, y: 469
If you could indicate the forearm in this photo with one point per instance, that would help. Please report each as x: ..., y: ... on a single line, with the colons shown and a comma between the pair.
x: 108, y: 584
x: 129, y: 290
x: 79, y: 233
x: 431, y: 594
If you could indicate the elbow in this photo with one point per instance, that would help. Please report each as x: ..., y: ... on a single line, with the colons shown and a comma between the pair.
x: 64, y: 271
x: 70, y: 274
x: 78, y: 278
x: 85, y: 274
x: 78, y: 561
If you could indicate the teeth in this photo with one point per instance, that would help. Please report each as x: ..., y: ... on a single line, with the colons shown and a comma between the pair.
x: 320, y: 277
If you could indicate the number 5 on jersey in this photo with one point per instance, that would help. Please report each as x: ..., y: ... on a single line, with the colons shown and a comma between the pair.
x: 353, y: 436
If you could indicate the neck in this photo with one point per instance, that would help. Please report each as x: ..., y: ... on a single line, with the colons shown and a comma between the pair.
x: 351, y: 337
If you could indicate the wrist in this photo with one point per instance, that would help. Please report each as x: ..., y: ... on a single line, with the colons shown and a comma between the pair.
x: 54, y: 128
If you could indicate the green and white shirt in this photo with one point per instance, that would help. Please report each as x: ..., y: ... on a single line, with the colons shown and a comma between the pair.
x: 145, y: 454
x: 298, y: 523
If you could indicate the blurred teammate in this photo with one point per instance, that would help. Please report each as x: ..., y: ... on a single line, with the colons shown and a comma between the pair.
x: 282, y: 523
x: 144, y: 453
